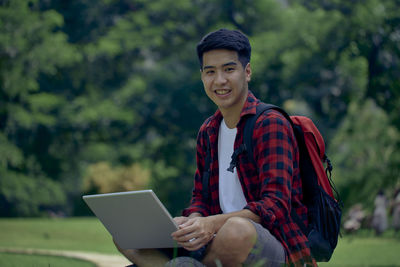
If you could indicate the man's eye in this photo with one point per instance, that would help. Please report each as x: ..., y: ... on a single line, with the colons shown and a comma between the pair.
x: 229, y: 69
x: 209, y: 72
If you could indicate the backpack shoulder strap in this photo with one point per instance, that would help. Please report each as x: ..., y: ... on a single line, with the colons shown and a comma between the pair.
x: 250, y: 123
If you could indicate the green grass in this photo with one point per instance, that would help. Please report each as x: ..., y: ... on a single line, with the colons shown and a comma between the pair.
x: 88, y: 234
x: 82, y: 234
x: 17, y: 260
x: 365, y: 251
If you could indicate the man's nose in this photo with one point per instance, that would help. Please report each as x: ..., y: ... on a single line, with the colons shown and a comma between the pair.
x: 221, y: 78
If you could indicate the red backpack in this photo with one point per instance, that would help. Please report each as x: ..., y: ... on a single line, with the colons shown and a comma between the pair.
x: 324, y: 211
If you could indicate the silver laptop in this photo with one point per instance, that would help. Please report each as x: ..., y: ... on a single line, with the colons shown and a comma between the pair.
x: 135, y: 219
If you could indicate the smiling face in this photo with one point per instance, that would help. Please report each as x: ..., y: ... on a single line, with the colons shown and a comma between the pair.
x: 225, y: 80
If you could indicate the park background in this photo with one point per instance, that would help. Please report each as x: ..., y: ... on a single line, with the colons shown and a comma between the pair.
x: 101, y: 96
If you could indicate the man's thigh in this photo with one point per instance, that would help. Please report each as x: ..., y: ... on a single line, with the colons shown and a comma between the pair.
x: 267, y: 249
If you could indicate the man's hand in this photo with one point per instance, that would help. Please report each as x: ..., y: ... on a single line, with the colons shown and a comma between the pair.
x: 193, y: 233
x: 181, y: 220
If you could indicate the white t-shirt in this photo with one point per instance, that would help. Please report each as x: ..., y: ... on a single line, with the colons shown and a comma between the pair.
x: 231, y: 197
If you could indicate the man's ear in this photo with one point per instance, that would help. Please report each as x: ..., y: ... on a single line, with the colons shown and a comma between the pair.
x: 248, y: 72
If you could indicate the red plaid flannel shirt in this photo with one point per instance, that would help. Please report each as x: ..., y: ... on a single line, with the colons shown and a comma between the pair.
x: 272, y: 191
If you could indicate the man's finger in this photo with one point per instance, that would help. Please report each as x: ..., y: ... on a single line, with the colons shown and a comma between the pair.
x: 186, y: 223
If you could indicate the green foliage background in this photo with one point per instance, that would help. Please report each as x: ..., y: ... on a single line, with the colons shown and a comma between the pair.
x: 87, y: 83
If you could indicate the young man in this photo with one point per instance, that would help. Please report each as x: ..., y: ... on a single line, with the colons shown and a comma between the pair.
x: 246, y: 218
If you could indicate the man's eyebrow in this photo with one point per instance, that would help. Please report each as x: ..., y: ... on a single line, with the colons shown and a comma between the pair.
x: 229, y: 63
x: 223, y: 65
x: 208, y: 67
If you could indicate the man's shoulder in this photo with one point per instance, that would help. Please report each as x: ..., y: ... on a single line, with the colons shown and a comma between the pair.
x: 272, y: 116
x: 272, y: 121
x: 211, y: 122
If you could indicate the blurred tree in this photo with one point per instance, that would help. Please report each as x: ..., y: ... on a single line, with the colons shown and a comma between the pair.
x: 131, y: 97
x: 102, y: 178
x: 365, y: 153
x: 113, y: 84
x: 306, y: 58
x: 370, y: 30
x: 28, y: 115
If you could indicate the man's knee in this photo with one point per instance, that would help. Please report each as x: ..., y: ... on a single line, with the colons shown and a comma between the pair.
x: 237, y: 230
x: 236, y: 237
x: 234, y: 241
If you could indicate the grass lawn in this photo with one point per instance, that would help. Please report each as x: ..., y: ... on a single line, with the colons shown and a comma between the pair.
x: 366, y: 251
x: 88, y: 234
x: 17, y: 260
x: 78, y: 234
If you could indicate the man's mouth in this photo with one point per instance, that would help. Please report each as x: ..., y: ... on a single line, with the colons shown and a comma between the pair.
x: 222, y: 91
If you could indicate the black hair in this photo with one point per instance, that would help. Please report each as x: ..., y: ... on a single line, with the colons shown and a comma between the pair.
x: 225, y: 39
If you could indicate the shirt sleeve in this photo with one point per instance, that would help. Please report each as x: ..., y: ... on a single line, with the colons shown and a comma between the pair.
x: 273, y: 140
x: 198, y: 204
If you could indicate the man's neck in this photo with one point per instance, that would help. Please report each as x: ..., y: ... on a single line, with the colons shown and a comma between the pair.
x: 232, y: 116
x: 231, y: 120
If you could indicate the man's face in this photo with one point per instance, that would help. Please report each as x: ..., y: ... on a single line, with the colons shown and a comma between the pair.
x: 225, y: 80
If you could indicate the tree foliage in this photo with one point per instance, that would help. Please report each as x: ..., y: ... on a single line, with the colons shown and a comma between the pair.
x: 365, y: 153
x: 90, y: 89
x: 30, y: 46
